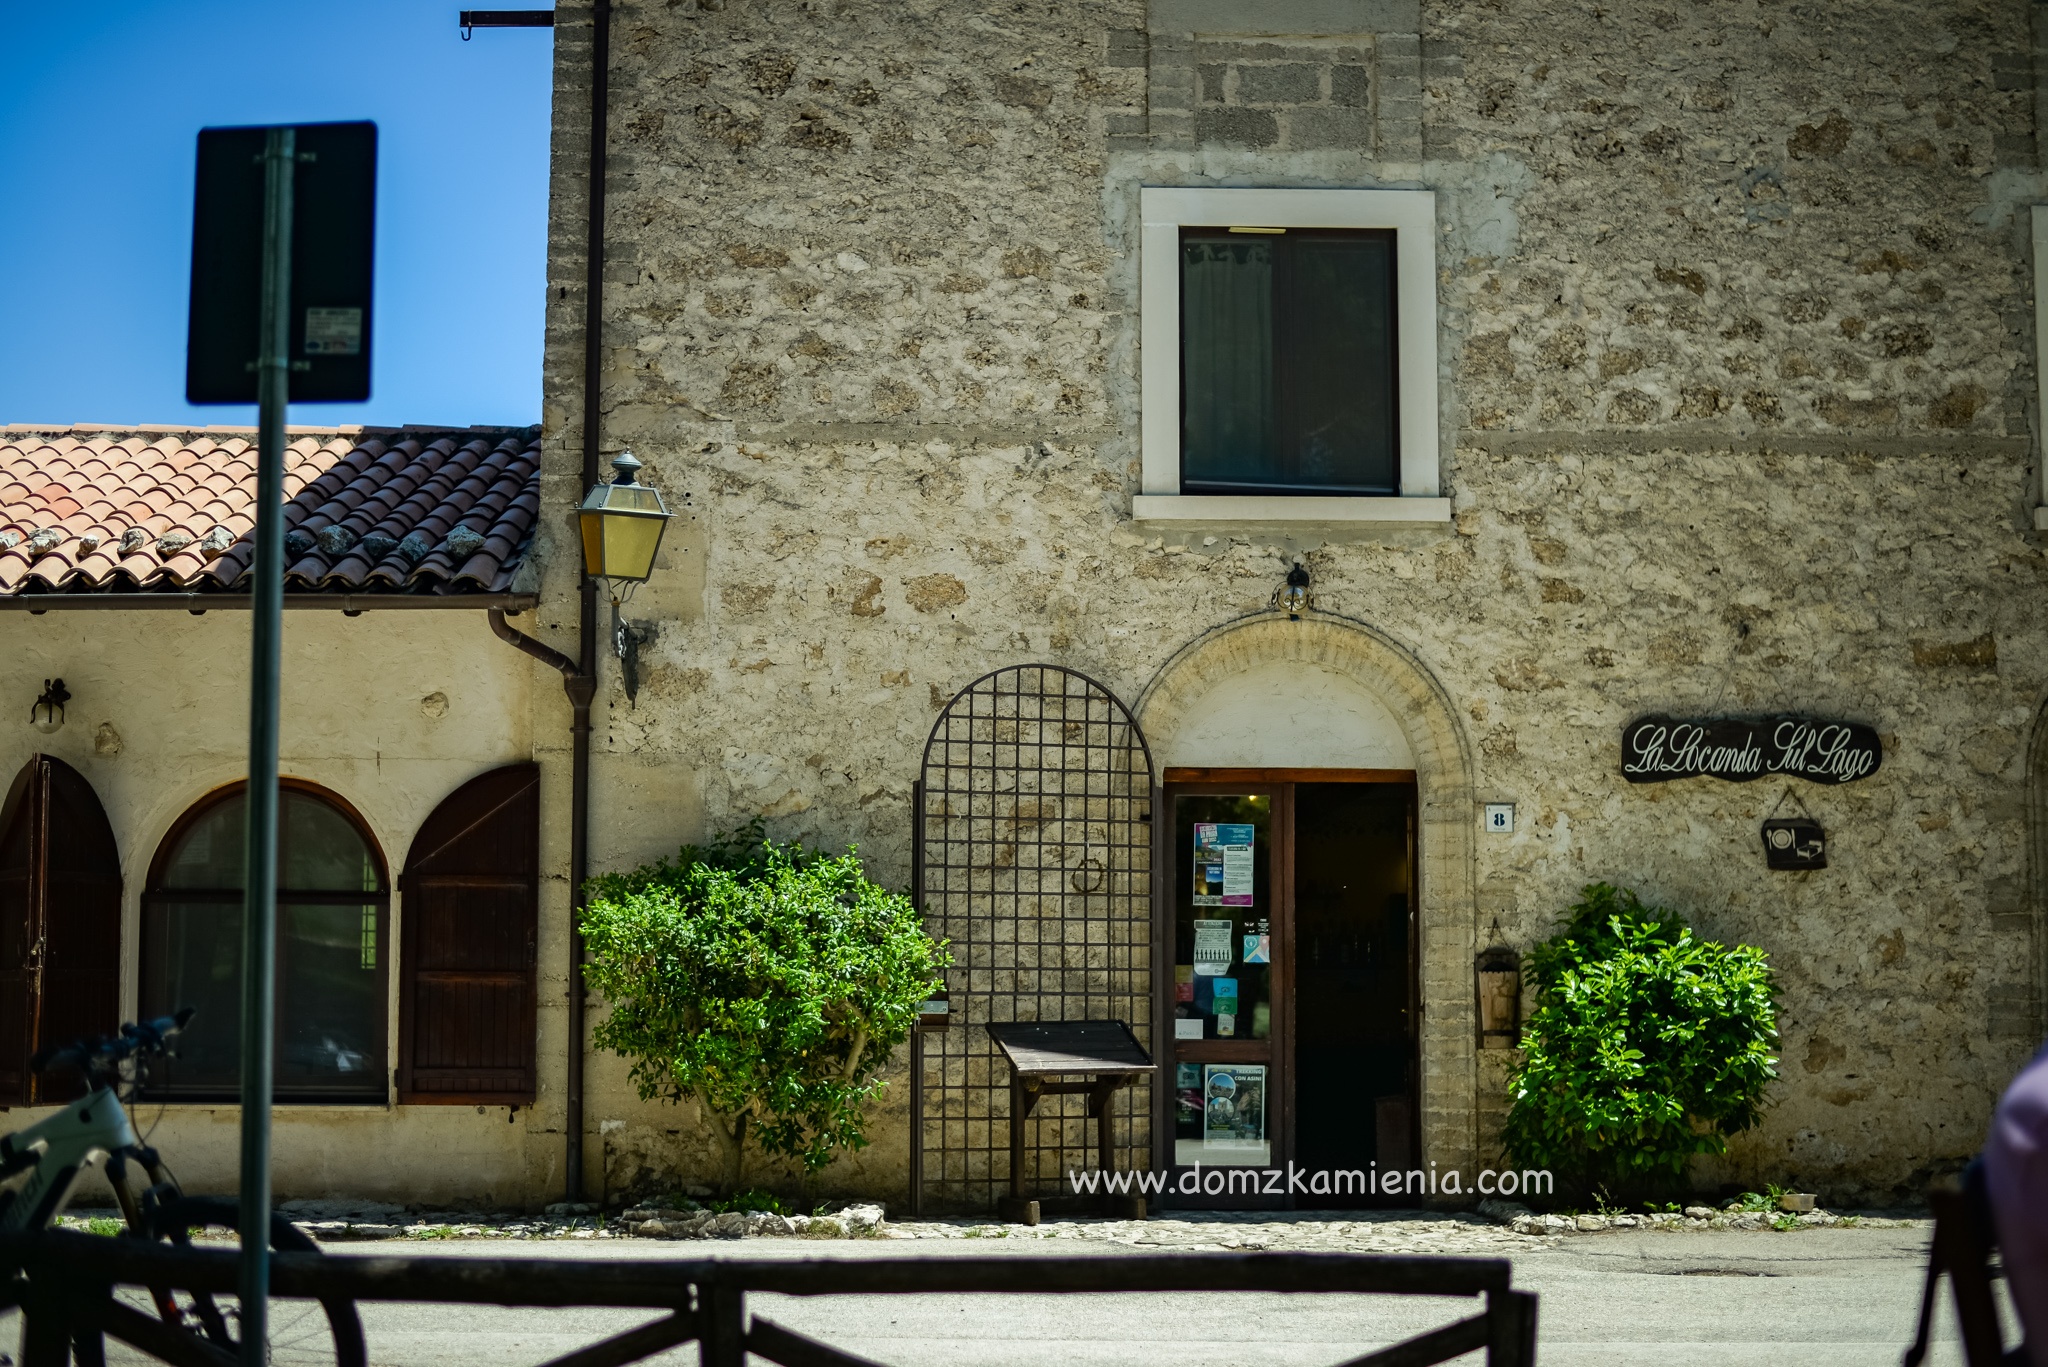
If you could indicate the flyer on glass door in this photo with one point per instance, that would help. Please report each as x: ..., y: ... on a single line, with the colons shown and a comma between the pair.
x: 1223, y: 864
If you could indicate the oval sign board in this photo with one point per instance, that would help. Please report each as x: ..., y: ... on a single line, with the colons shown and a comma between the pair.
x: 1657, y: 749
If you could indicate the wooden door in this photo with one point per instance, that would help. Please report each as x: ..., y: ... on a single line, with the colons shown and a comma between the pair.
x: 470, y: 919
x: 60, y: 925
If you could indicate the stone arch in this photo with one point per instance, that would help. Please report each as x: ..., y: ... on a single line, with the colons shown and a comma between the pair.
x: 1447, y: 815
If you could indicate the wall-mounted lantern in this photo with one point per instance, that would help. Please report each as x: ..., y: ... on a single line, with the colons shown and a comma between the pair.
x: 1498, y: 971
x: 622, y: 523
x: 1293, y: 597
x: 47, y: 712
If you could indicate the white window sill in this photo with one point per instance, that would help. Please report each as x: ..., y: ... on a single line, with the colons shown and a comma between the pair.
x: 1274, y: 508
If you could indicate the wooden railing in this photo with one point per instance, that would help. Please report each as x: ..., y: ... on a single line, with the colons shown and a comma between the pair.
x: 65, y: 1284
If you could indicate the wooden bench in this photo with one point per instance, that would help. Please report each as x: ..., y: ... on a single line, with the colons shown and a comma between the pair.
x: 1106, y: 1055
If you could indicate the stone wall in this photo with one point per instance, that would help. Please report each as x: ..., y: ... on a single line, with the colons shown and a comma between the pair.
x: 1735, y: 323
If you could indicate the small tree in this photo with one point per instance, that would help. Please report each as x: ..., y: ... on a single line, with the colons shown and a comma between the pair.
x: 1647, y: 1047
x: 767, y: 982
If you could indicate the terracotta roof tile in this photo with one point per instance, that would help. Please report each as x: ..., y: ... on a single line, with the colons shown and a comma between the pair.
x: 394, y: 510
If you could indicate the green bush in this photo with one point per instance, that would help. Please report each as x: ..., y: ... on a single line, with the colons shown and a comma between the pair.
x: 752, y: 1199
x: 767, y: 982
x: 1647, y: 1047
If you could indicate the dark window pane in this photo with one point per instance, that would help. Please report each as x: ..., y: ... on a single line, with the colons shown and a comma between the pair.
x: 1288, y: 363
x: 320, y: 850
x: 1336, y: 373
x: 1226, y: 357
x: 330, y: 1003
x: 193, y: 957
x: 210, y: 854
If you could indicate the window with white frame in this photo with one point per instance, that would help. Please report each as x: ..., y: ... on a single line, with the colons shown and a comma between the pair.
x: 1289, y: 355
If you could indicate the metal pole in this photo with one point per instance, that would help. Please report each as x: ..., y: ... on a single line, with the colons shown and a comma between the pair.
x: 259, y: 861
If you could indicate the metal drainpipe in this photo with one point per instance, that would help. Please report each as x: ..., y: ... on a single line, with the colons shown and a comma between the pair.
x: 584, y: 686
x: 579, y: 676
x: 580, y: 683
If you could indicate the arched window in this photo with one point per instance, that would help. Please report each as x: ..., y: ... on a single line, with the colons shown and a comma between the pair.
x: 333, y: 910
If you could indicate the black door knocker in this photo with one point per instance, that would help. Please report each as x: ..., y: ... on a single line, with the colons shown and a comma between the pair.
x: 1794, y: 842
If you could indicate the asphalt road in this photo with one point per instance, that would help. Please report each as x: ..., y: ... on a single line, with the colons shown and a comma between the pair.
x: 1677, y: 1300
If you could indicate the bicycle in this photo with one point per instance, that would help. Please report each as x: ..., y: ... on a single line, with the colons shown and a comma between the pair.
x: 41, y: 1167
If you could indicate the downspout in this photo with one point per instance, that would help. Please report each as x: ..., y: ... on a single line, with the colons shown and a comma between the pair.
x: 580, y: 683
x: 579, y: 676
x: 584, y: 686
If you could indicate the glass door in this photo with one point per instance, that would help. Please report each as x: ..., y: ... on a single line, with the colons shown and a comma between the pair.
x: 1286, y: 953
x: 1229, y: 941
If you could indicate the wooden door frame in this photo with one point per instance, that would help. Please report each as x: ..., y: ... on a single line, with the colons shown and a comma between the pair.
x: 1280, y: 783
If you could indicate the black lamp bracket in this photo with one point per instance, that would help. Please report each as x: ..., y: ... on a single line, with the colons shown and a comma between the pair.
x: 54, y: 696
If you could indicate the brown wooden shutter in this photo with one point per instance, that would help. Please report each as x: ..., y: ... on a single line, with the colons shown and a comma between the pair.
x: 18, y: 937
x: 60, y: 925
x: 470, y: 915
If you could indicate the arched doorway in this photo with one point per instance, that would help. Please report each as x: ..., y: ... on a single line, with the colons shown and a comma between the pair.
x: 1033, y: 858
x: 1326, y: 720
x: 60, y: 925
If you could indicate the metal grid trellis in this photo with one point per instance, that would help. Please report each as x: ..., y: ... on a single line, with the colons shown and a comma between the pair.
x: 1036, y: 844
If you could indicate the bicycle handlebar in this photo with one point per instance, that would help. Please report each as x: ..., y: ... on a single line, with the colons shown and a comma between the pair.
x: 98, y: 1056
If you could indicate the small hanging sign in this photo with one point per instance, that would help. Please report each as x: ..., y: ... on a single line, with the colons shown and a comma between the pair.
x: 1794, y: 843
x: 1657, y: 749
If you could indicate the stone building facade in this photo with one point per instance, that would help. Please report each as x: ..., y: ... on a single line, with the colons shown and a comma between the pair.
x: 1734, y: 388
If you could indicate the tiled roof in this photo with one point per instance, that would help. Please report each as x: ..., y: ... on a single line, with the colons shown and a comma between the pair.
x: 368, y: 509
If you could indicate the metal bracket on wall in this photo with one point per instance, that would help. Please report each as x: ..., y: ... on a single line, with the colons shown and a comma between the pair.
x: 627, y: 638
x: 503, y: 18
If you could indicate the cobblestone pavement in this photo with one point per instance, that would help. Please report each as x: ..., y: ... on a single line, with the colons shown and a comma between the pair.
x: 1502, y: 1231
x: 1376, y: 1231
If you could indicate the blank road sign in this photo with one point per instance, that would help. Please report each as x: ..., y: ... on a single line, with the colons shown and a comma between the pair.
x: 334, y: 215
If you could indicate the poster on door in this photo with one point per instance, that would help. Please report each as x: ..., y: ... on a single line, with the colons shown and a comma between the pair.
x: 1212, y: 948
x: 1223, y: 864
x: 1234, y: 1109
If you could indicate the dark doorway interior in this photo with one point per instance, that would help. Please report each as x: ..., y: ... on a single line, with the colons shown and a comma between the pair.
x: 1354, y: 1038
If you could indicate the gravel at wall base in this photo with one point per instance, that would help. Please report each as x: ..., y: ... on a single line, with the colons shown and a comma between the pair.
x: 1496, y: 1226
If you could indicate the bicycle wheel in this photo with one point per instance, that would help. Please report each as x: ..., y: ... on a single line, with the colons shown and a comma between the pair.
x: 301, y: 1335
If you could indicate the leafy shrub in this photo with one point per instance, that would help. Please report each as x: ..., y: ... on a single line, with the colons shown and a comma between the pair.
x: 767, y: 982
x: 752, y: 1199
x: 1647, y: 1046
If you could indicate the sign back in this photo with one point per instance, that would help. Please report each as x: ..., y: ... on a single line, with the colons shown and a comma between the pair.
x: 334, y: 215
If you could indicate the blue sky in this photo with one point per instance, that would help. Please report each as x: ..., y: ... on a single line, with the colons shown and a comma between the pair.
x: 99, y: 115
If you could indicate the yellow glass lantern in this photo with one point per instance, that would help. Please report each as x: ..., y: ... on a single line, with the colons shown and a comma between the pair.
x: 622, y: 523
